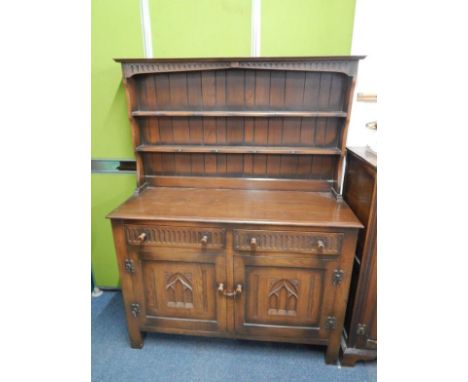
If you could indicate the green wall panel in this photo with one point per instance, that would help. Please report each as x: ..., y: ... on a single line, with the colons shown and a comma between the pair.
x: 306, y: 27
x: 115, y: 32
x: 201, y: 28
x: 107, y: 192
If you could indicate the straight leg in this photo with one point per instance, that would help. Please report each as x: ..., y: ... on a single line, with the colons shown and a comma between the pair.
x: 136, y: 337
x: 127, y: 282
x: 333, y: 351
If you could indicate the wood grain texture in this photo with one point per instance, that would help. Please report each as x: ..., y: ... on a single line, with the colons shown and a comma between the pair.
x: 238, y: 206
x: 283, y: 92
x: 317, y: 132
x: 237, y: 183
x: 240, y: 165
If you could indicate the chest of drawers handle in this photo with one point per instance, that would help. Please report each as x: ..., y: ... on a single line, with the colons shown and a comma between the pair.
x: 142, y: 237
x: 320, y: 245
x: 253, y: 243
x: 204, y: 240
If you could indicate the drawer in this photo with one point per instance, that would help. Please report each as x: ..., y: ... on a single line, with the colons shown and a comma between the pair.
x: 320, y: 243
x: 173, y: 236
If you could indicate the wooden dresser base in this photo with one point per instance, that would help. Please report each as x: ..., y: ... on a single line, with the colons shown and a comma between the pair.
x: 228, y: 277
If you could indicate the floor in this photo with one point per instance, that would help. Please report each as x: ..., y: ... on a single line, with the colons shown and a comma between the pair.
x: 184, y: 358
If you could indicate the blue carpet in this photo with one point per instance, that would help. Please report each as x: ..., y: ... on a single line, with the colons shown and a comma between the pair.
x: 184, y: 358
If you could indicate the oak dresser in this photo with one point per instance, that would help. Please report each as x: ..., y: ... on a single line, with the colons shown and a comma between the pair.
x: 237, y: 227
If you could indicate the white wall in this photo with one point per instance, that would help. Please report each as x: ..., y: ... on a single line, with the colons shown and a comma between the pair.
x: 364, y: 43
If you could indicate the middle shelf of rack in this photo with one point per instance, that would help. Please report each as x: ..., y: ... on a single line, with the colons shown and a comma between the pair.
x: 212, y: 149
x: 231, y: 113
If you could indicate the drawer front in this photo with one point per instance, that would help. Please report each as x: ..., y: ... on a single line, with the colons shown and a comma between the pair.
x: 173, y: 236
x: 320, y: 243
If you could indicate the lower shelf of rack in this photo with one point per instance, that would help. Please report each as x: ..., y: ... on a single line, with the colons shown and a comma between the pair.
x: 238, y: 149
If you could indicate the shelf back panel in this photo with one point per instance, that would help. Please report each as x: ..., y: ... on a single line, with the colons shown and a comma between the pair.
x: 319, y: 167
x: 232, y: 131
x: 240, y: 89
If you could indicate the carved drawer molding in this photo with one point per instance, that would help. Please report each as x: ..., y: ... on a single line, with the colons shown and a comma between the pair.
x: 168, y: 236
x: 288, y: 241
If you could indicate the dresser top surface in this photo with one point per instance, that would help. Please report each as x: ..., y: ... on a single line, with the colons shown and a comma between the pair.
x: 228, y: 59
x: 238, y: 206
x: 363, y: 153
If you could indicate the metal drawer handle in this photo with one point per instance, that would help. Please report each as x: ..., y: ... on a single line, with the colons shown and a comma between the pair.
x: 233, y: 294
x: 204, y: 240
x: 320, y: 244
x: 142, y: 237
x: 253, y: 243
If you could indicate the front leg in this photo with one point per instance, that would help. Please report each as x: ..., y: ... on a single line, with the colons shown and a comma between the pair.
x: 333, y: 351
x: 127, y: 275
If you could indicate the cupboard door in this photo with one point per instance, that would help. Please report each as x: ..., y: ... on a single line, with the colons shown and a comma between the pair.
x: 178, y: 290
x: 284, y: 297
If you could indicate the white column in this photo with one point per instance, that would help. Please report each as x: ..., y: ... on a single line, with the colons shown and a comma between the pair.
x: 255, y: 28
x: 364, y: 43
x: 146, y: 28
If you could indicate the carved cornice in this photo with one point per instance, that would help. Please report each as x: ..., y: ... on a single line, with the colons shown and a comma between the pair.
x: 347, y: 67
x: 131, y: 69
x: 339, y: 66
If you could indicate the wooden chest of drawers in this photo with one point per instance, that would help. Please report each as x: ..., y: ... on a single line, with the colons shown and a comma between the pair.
x: 360, y: 191
x: 236, y: 228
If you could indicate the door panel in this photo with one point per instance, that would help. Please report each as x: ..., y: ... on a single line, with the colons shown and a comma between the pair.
x: 284, y: 297
x: 177, y: 289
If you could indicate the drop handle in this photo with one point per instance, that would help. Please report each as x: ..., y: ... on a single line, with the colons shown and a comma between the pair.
x: 204, y: 240
x: 142, y: 237
x: 253, y: 243
x: 233, y: 294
